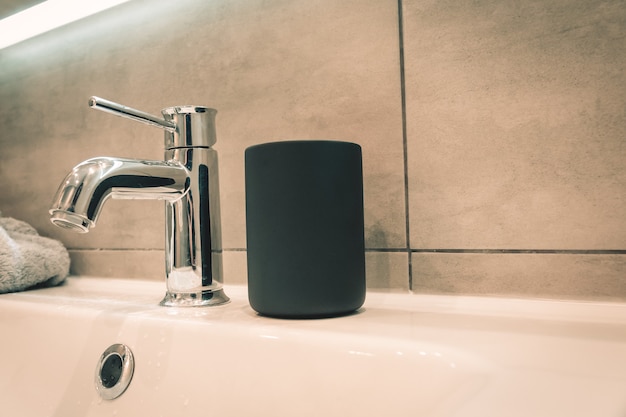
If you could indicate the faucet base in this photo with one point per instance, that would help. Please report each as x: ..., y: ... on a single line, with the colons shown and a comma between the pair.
x: 195, y: 299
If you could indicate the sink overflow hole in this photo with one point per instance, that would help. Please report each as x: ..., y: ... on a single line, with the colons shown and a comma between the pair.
x: 114, y: 371
x: 111, y: 370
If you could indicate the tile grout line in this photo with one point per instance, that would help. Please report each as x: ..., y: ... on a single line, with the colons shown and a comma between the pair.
x: 526, y: 251
x: 405, y: 250
x: 404, y: 143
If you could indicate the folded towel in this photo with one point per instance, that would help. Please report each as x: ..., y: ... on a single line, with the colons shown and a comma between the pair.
x: 27, y: 259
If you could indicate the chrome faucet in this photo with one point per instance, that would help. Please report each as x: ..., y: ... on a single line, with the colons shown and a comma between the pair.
x: 188, y: 182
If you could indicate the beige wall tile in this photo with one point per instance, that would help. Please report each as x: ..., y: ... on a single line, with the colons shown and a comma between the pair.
x: 235, y: 267
x: 560, y: 276
x: 384, y: 270
x: 274, y: 70
x: 515, y: 123
x: 146, y: 264
x: 140, y: 264
x: 387, y: 270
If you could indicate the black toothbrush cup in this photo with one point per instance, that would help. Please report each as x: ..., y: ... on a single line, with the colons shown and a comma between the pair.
x: 305, y: 232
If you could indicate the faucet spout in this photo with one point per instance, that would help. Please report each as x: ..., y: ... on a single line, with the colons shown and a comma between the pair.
x: 80, y: 197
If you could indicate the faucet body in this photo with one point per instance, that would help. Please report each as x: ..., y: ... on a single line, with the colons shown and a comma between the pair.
x: 187, y: 179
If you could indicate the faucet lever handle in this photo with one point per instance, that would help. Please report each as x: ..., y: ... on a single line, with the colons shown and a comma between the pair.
x: 130, y: 113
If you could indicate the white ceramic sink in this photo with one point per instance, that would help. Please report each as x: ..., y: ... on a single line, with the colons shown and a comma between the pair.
x: 401, y: 355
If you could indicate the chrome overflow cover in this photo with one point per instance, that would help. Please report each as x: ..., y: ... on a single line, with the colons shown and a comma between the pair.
x: 114, y: 371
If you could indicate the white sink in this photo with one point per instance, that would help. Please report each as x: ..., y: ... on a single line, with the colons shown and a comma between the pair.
x: 401, y: 355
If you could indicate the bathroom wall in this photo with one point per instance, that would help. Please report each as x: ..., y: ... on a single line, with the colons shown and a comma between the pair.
x: 493, y: 132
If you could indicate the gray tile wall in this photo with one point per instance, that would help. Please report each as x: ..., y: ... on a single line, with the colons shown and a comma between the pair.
x: 493, y: 132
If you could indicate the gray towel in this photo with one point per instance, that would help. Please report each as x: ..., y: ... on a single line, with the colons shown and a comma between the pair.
x: 27, y: 259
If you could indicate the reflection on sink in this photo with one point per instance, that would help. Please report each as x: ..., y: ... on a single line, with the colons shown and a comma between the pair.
x: 401, y: 355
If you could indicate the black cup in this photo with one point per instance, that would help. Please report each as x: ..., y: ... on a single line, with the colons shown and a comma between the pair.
x: 305, y: 237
